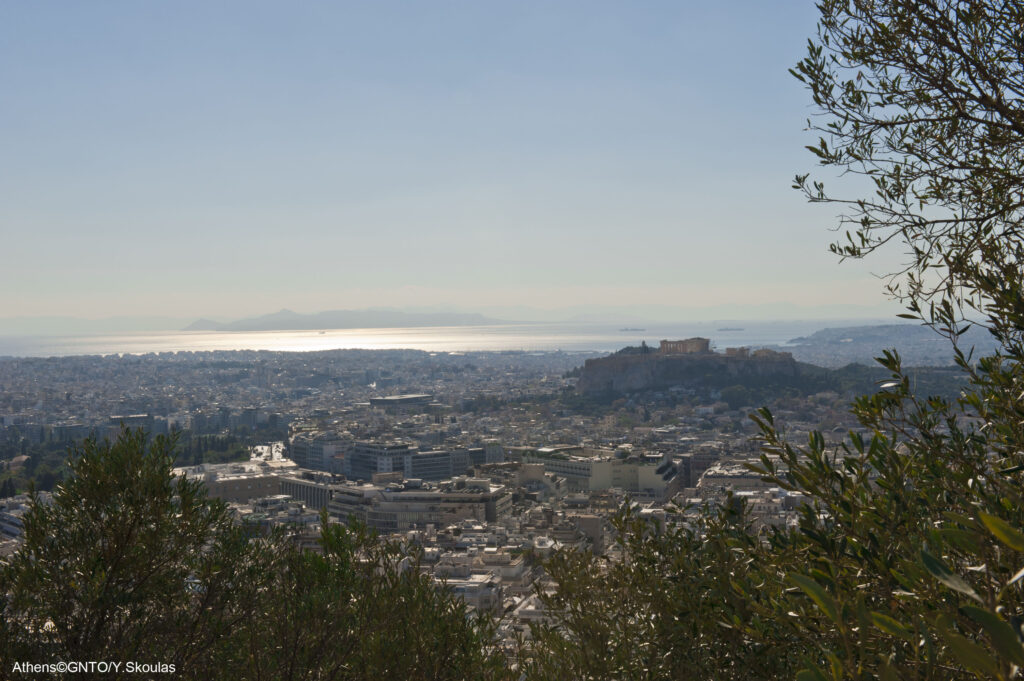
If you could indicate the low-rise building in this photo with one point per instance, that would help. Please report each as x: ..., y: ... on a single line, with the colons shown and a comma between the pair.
x: 400, y: 507
x: 242, y: 481
x: 587, y: 470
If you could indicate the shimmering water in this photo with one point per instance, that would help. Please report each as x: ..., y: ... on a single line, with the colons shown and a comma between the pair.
x: 530, y: 337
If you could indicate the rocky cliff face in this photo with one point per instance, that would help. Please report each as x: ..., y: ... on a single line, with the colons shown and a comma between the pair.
x: 639, y: 372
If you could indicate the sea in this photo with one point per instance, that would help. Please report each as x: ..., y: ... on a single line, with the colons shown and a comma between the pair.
x: 527, y: 337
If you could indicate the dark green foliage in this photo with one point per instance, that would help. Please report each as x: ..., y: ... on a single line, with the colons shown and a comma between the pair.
x: 127, y: 563
x: 675, y: 602
x: 926, y: 101
x: 362, y: 610
x: 45, y: 466
x: 196, y: 449
x: 737, y: 396
x: 130, y: 563
x: 907, y: 559
x: 905, y: 563
x: 7, y: 488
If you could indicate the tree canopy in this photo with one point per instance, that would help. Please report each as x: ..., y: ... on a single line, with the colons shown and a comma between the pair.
x: 130, y: 563
x: 925, y: 100
x: 907, y: 559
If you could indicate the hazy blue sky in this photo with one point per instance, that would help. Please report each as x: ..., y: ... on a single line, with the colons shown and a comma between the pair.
x: 231, y: 158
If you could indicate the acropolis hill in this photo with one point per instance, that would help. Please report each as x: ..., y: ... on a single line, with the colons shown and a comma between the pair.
x: 686, y: 363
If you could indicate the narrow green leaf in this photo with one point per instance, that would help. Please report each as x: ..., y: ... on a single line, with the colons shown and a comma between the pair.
x: 815, y: 150
x: 818, y: 594
x: 1003, y: 531
x: 812, y: 674
x: 971, y: 655
x: 892, y: 626
x: 1003, y: 638
x: 863, y: 618
x: 942, y: 573
x: 962, y: 539
x: 961, y: 519
x: 836, y: 665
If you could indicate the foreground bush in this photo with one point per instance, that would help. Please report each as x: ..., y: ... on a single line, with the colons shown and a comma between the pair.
x: 132, y: 564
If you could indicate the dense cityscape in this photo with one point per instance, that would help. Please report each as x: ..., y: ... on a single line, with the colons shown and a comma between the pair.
x: 527, y: 435
x: 485, y: 461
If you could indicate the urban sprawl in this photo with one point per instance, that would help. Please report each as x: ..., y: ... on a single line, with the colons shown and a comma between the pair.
x: 487, y: 462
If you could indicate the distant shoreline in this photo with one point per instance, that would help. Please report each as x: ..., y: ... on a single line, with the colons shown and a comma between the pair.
x: 807, y: 340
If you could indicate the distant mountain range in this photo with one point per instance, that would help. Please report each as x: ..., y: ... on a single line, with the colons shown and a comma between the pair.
x: 635, y: 315
x: 287, y: 320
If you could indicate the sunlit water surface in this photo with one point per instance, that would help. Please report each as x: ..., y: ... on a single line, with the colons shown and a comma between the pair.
x: 498, y: 337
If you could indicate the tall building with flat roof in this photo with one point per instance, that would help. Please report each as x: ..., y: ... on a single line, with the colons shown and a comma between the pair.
x: 367, y: 458
x: 318, y: 451
x: 429, y: 465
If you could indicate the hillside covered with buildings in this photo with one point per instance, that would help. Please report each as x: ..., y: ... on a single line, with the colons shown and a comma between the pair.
x: 691, y: 363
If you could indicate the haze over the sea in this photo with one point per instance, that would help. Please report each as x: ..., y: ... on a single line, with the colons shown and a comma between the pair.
x: 568, y: 337
x: 222, y: 160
